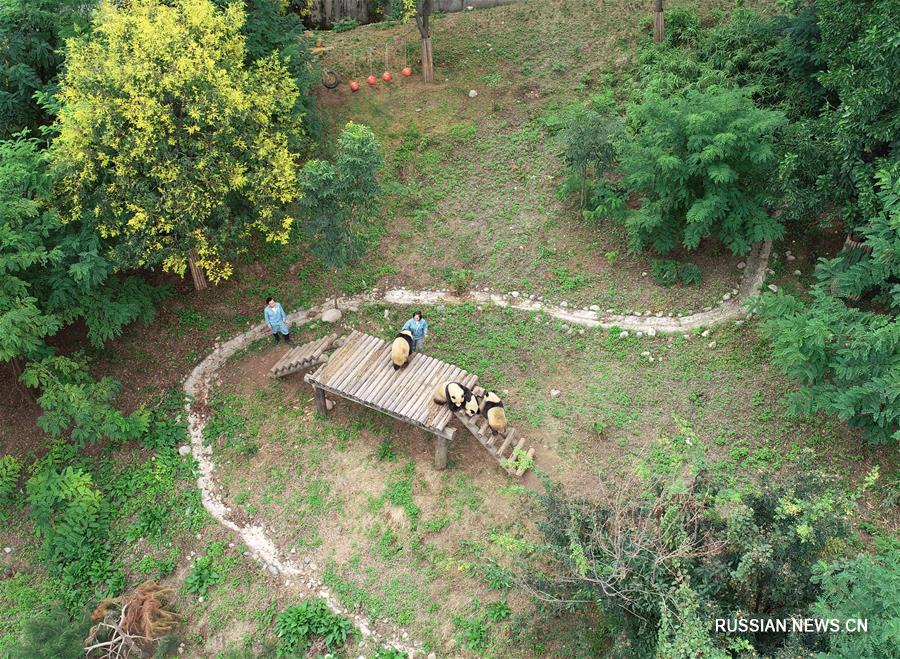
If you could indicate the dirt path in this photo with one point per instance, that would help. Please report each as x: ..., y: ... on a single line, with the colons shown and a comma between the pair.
x: 299, y: 571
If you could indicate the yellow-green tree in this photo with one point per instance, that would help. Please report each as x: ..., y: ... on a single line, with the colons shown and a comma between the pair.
x: 173, y: 148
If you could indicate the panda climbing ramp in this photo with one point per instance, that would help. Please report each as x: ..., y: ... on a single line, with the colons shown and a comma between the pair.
x: 401, y: 349
x: 457, y: 396
x: 491, y: 408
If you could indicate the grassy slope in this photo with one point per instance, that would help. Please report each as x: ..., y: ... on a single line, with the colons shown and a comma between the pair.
x: 470, y: 182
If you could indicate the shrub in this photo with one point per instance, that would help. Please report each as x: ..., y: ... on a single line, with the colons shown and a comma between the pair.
x: 682, y: 26
x: 345, y: 25
x: 10, y: 468
x: 667, y: 273
x: 203, y: 576
x: 52, y: 634
x: 847, y: 360
x: 311, y: 618
x: 864, y: 587
x: 459, y: 280
x: 702, y: 163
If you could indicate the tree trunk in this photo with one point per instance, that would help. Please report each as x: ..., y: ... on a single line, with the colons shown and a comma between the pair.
x: 196, y: 272
x: 659, y: 29
x: 427, y: 62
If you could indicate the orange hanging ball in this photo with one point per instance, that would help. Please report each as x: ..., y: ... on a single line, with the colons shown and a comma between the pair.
x: 371, y: 80
x: 386, y: 76
x: 354, y: 86
x: 406, y: 72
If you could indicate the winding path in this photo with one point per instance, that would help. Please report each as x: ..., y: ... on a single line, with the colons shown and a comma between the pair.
x: 295, y: 570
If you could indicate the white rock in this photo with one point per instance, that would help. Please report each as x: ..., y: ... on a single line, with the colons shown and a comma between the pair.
x: 734, y: 291
x: 7, y: 549
x: 639, y: 334
x: 200, y: 599
x: 515, y: 293
x: 651, y: 331
x: 331, y: 315
x: 643, y: 274
x: 623, y: 334
x: 773, y: 288
x: 739, y: 322
x: 184, y: 450
x: 704, y: 333
x: 711, y: 344
x: 581, y: 331
x: 726, y: 297
x: 564, y: 304
x: 610, y: 311
x: 555, y: 393
x: 791, y: 257
x: 480, y: 308
x: 646, y: 353
x: 741, y: 265
x: 329, y: 404
x: 387, y: 314
x: 797, y: 273
x: 472, y: 92
x: 659, y: 314
x: 594, y: 307
x: 431, y: 655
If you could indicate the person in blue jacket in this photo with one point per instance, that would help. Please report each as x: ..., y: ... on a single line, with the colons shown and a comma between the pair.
x: 418, y: 326
x: 276, y: 318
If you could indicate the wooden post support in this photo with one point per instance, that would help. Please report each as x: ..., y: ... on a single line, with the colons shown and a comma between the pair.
x: 319, y: 395
x: 440, y: 452
x: 659, y: 29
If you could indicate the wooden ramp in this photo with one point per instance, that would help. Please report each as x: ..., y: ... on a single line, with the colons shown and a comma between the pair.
x: 304, y: 357
x: 498, y: 445
x: 361, y: 371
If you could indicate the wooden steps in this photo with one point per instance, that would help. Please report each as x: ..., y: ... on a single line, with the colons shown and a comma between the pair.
x: 502, y: 448
x: 304, y: 356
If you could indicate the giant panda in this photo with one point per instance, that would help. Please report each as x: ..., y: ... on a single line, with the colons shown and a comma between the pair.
x: 457, y: 396
x: 491, y: 408
x: 401, y: 348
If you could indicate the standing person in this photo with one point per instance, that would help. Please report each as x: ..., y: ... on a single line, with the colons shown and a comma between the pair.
x: 276, y: 317
x: 418, y: 326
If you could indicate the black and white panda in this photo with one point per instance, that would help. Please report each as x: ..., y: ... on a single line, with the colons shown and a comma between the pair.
x: 491, y: 408
x: 401, y: 349
x: 457, y: 396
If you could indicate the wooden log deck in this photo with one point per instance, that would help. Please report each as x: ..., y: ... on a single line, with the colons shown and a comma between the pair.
x: 361, y: 371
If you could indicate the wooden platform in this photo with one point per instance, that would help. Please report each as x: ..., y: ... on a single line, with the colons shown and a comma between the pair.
x: 305, y: 356
x: 361, y: 371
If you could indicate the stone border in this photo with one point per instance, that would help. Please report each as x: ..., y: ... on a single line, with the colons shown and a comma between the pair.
x: 198, y: 383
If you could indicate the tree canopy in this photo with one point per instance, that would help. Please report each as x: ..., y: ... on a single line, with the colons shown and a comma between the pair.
x: 169, y: 143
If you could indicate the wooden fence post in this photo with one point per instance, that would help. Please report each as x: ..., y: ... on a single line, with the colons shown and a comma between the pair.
x: 440, y: 452
x: 319, y: 395
x: 659, y: 29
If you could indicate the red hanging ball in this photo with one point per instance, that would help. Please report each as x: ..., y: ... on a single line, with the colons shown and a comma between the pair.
x: 386, y: 76
x: 354, y: 86
x: 371, y: 80
x: 406, y: 72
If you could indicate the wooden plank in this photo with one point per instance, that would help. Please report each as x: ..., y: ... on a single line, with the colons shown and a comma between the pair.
x: 423, y: 408
x: 519, y: 445
x: 393, y: 386
x: 380, y: 363
x: 432, y: 410
x: 521, y: 469
x: 362, y: 352
x: 358, y: 366
x: 448, y: 432
x: 506, y: 442
x: 414, y: 394
x: 367, y: 389
x: 337, y: 359
x: 395, y: 397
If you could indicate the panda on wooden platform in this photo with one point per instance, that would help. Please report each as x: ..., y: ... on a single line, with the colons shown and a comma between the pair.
x: 401, y: 349
x: 491, y: 408
x: 457, y: 396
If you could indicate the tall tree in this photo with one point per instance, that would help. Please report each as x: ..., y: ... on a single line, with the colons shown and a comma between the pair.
x: 32, y: 34
x: 338, y: 199
x: 169, y: 145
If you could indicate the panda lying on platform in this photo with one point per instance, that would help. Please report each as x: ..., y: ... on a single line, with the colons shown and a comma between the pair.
x: 401, y: 348
x: 457, y: 396
x: 491, y: 408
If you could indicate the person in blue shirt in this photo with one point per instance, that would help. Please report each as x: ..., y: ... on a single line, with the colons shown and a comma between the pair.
x: 418, y: 326
x: 276, y: 318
